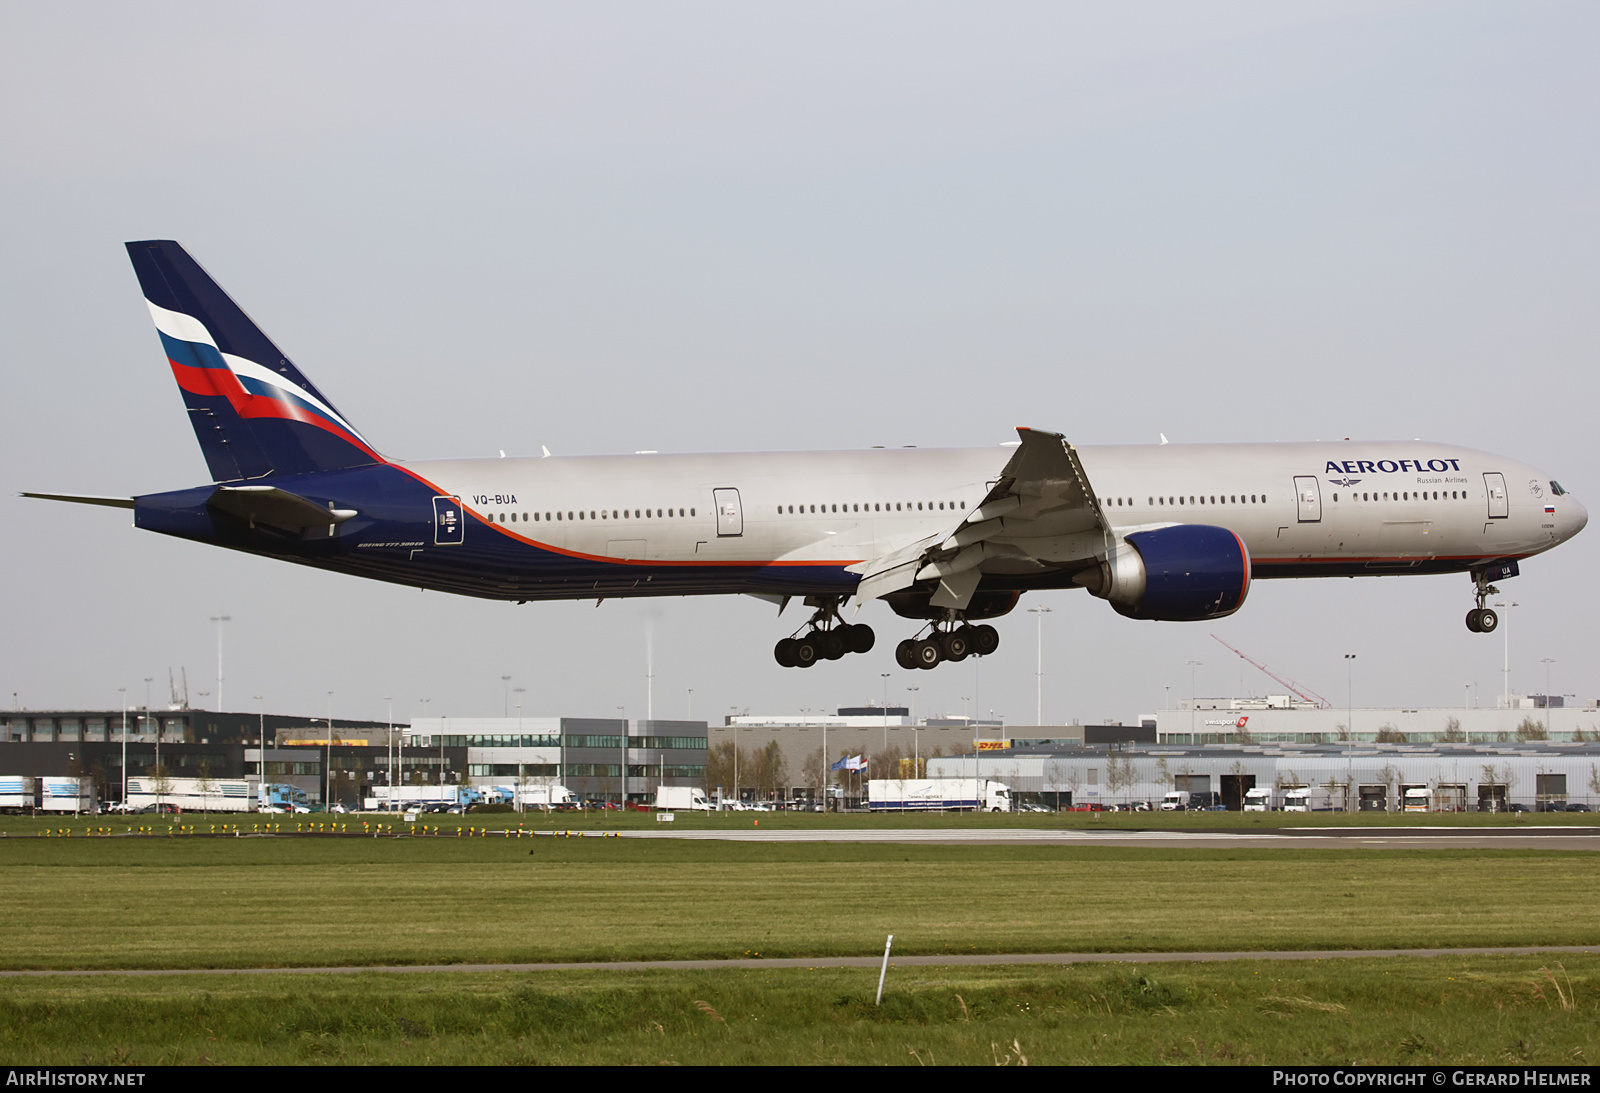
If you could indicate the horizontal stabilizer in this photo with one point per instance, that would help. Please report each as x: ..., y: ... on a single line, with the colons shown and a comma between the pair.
x: 84, y: 499
x: 275, y: 507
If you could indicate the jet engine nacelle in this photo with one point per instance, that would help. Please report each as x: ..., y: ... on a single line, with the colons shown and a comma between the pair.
x: 1177, y: 574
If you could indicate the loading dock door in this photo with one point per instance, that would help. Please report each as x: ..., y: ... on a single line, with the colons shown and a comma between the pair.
x: 1308, y: 499
x: 1233, y: 790
x: 730, y: 514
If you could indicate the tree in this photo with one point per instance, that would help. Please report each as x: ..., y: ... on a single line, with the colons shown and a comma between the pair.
x: 1388, y: 734
x: 885, y: 764
x: 1452, y: 732
x: 205, y: 783
x: 726, y: 762
x: 1390, y: 775
x: 1529, y: 729
x: 771, y: 769
x: 161, y: 782
x: 1341, y: 732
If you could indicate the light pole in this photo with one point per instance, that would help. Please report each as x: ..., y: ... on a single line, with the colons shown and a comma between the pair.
x: 1547, y: 662
x: 390, y: 738
x: 124, y: 692
x: 916, y: 731
x: 885, y: 712
x: 1350, y: 719
x: 261, y: 744
x: 735, y: 735
x: 1039, y: 612
x: 1193, y: 664
x: 147, y: 719
x: 505, y: 696
x: 219, y: 620
x: 1505, y: 630
x: 327, y: 768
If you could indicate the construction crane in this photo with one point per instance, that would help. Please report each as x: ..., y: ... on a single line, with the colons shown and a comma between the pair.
x: 1305, y: 694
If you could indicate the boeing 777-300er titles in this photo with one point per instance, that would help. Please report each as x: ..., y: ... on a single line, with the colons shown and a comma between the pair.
x: 948, y: 537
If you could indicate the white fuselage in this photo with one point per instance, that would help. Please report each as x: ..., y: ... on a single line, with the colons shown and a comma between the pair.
x: 1301, y: 509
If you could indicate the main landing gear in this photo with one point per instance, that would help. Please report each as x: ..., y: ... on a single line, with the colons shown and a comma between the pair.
x: 1483, y: 620
x: 951, y: 643
x: 827, y: 637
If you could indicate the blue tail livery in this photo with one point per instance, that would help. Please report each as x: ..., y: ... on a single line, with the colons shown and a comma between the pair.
x: 254, y: 413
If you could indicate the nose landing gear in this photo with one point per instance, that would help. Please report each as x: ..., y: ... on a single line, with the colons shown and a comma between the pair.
x: 1481, y: 619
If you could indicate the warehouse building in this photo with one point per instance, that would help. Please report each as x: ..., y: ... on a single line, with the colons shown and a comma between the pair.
x: 1535, y: 775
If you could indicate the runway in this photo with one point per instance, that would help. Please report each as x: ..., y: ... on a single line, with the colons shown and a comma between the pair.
x: 1295, y: 838
x: 935, y: 960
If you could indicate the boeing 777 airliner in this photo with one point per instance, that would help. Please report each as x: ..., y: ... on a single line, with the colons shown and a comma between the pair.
x: 945, y: 537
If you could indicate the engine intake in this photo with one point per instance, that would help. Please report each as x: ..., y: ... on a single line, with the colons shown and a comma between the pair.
x: 1179, y: 574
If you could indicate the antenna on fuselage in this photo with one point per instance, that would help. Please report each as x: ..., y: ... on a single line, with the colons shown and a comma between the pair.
x: 1163, y: 437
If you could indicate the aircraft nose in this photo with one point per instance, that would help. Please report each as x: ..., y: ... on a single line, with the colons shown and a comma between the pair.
x: 1576, y: 520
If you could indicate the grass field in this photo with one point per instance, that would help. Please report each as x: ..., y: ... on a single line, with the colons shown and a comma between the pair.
x: 167, y: 902
x: 265, y: 902
x: 1500, y: 1010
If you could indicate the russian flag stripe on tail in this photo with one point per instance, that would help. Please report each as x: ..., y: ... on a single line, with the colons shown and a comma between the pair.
x: 252, y: 411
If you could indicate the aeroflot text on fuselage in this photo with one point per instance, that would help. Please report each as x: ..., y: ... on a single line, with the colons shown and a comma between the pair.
x: 1391, y: 466
x: 945, y: 537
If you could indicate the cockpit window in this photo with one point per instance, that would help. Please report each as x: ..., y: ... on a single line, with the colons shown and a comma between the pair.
x: 1555, y: 488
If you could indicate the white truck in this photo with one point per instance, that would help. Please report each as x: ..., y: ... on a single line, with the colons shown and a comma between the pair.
x: 538, y: 796
x: 1258, y: 800
x: 193, y: 794
x: 66, y: 795
x: 937, y: 795
x: 16, y: 793
x: 682, y: 799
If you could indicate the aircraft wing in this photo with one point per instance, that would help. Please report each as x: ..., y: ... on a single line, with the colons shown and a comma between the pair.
x: 1041, y: 515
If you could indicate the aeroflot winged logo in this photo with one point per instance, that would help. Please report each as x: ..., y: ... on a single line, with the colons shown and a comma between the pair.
x: 251, y: 389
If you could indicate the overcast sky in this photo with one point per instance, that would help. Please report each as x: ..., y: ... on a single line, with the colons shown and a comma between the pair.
x: 722, y: 227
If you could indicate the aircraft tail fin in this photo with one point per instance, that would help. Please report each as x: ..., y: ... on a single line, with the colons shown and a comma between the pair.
x: 252, y: 411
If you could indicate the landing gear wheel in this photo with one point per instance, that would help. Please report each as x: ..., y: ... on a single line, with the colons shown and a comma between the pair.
x: 985, y: 639
x: 831, y: 643
x: 905, y: 654
x: 806, y: 651
x: 1487, y: 621
x: 955, y: 645
x: 859, y: 638
x: 784, y: 653
x: 1472, y: 621
x: 928, y: 654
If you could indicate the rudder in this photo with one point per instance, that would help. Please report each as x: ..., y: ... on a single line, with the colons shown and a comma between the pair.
x: 253, y: 413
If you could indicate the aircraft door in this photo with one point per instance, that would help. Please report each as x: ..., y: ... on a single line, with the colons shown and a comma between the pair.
x: 1308, y: 499
x: 448, y: 523
x: 1495, y: 485
x: 730, y: 513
